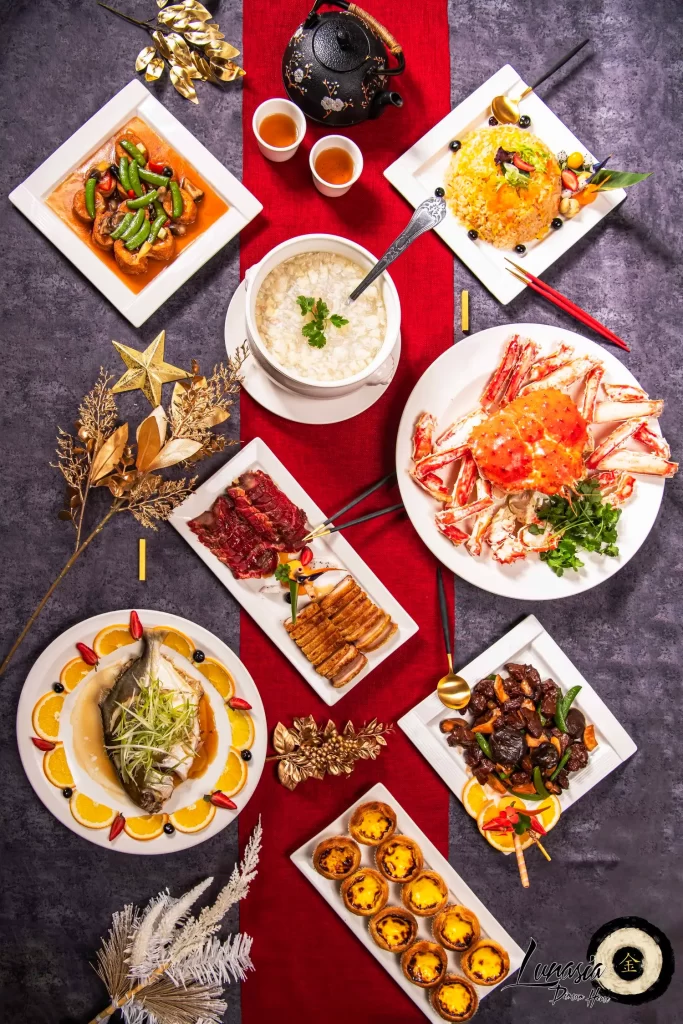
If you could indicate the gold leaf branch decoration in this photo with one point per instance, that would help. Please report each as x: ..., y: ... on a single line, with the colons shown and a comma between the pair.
x: 306, y: 750
x: 99, y: 454
x: 193, y: 47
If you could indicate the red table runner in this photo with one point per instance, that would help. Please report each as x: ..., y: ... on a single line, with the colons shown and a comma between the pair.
x: 310, y: 966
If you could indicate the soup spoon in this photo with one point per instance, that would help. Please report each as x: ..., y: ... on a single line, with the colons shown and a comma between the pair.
x: 506, y: 110
x: 427, y: 215
x: 452, y: 689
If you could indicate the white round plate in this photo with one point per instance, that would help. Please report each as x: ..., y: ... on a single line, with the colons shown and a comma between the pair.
x: 287, y: 404
x: 449, y: 388
x: 46, y: 671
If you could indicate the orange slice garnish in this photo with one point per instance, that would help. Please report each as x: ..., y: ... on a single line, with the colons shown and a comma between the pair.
x: 46, y: 714
x: 111, y: 638
x: 242, y: 725
x: 56, y: 767
x: 89, y: 813
x: 502, y: 841
x: 146, y: 827
x: 474, y: 797
x: 73, y: 672
x: 218, y: 674
x: 194, y: 817
x: 177, y: 641
x: 234, y: 774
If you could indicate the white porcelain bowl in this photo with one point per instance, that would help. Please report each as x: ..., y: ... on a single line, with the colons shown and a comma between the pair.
x: 378, y: 371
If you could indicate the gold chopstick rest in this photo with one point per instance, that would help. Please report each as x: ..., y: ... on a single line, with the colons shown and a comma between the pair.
x: 465, y: 310
x: 142, y: 559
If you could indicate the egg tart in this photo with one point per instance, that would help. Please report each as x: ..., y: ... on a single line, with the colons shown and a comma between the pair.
x: 455, y: 999
x: 364, y: 892
x: 486, y: 963
x: 399, y: 859
x: 424, y: 964
x: 336, y: 858
x: 425, y: 895
x: 394, y: 928
x: 372, y: 823
x: 456, y: 927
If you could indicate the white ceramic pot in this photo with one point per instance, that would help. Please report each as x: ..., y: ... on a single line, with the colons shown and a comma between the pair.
x: 379, y: 371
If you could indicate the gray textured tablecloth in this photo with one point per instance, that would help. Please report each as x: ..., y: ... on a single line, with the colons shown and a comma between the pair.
x: 62, y: 60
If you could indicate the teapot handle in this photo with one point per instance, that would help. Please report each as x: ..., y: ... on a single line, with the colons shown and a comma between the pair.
x: 375, y: 26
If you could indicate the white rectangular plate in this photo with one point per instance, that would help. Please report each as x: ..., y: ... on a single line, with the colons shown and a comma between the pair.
x: 134, y: 101
x: 460, y: 892
x: 529, y: 644
x: 423, y: 168
x: 268, y: 611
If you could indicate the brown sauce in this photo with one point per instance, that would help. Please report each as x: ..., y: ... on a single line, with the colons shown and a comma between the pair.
x: 209, y: 208
x: 278, y: 130
x: 334, y: 165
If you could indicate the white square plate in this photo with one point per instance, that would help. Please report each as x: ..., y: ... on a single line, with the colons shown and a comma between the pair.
x: 269, y: 611
x: 423, y: 168
x: 528, y: 643
x: 460, y: 893
x: 134, y: 101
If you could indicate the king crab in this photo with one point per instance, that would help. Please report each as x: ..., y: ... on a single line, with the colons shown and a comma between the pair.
x: 532, y: 434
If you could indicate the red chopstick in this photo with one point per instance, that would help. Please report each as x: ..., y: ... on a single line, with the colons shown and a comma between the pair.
x: 560, y: 300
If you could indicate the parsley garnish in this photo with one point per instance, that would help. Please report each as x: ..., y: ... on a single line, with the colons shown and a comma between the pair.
x: 314, y: 330
x: 282, y: 572
x: 584, y: 521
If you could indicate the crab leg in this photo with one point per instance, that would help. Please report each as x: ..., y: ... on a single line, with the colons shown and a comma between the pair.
x: 434, y: 485
x: 639, y: 462
x: 616, y: 487
x: 528, y: 353
x: 437, y: 460
x: 423, y: 436
x: 501, y: 538
x: 655, y: 442
x: 563, y: 377
x: 483, y: 520
x: 453, y: 533
x: 501, y: 373
x: 546, y: 541
x: 458, y: 513
x: 590, y: 395
x: 458, y: 433
x: 467, y: 474
x: 612, y: 442
x: 607, y: 412
x: 624, y: 393
x: 551, y: 363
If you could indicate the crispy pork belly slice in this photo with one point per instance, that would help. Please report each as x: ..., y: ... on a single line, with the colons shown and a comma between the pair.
x: 337, y: 661
x: 361, y: 625
x: 308, y: 618
x: 384, y: 636
x: 373, y: 632
x: 325, y: 652
x: 340, y: 595
x: 346, y: 613
x: 321, y: 635
x: 350, y: 671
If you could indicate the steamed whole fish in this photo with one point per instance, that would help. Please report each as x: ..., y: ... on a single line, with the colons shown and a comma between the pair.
x: 150, y: 719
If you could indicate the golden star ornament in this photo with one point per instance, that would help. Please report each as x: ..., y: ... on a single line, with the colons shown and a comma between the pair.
x: 147, y: 370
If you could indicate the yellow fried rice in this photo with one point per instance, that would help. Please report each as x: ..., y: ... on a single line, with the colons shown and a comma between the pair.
x: 481, y: 196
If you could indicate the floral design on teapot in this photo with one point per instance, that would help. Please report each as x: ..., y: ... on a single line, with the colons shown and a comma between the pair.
x: 333, y: 103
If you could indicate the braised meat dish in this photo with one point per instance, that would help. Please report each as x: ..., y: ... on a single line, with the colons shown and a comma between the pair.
x: 523, y: 735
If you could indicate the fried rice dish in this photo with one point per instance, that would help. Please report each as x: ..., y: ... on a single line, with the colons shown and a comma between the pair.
x: 504, y: 183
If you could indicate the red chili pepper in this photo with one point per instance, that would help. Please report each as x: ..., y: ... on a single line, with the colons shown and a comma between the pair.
x: 87, y: 653
x: 221, y: 800
x: 42, y: 744
x: 117, y: 826
x: 135, y: 627
x: 536, y: 826
x: 238, y: 704
x: 105, y: 183
x: 569, y: 180
x: 155, y: 166
x: 306, y: 556
x: 131, y: 193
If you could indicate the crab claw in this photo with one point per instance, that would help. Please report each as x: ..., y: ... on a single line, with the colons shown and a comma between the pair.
x: 616, y: 488
x: 613, y: 441
x: 553, y: 362
x: 501, y: 537
x: 639, y: 462
x: 590, y: 394
x: 483, y: 519
x: 467, y: 474
x: 423, y: 436
x: 438, y: 460
x: 459, y: 432
x: 454, y: 533
x: 563, y: 377
x: 655, y: 442
x: 458, y: 513
x: 501, y: 374
x: 434, y: 485
x: 527, y: 354
x: 545, y: 541
x: 624, y: 393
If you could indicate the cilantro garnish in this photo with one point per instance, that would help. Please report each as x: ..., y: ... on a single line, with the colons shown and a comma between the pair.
x: 584, y: 521
x: 314, y: 330
x: 282, y: 572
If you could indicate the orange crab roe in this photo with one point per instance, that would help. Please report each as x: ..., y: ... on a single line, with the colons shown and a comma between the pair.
x: 534, y: 443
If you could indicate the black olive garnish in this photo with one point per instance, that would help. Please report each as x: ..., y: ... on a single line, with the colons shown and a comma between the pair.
x: 169, y: 829
x: 520, y: 249
x: 246, y: 755
x: 439, y: 192
x: 524, y: 121
x: 454, y: 145
x: 472, y: 234
x: 556, y: 223
x: 58, y: 687
x: 198, y: 656
x: 67, y: 792
x: 493, y: 121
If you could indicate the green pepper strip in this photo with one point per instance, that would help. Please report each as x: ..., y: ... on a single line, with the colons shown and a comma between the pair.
x: 123, y: 173
x: 177, y: 200
x: 135, y: 225
x: 120, y: 231
x: 134, y: 179
x: 563, y: 706
x: 160, y: 180
x: 133, y: 152
x: 563, y: 761
x: 484, y: 744
x: 294, y: 596
x: 136, y: 241
x: 137, y: 204
x: 539, y: 784
x: 90, y: 186
x: 157, y: 226
x: 529, y: 796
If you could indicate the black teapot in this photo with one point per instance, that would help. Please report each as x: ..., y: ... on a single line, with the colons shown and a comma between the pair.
x: 336, y: 65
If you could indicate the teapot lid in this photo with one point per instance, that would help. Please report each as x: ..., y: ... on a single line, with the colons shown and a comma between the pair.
x: 341, y: 44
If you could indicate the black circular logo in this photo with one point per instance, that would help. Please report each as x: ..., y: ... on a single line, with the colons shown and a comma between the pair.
x: 636, y: 958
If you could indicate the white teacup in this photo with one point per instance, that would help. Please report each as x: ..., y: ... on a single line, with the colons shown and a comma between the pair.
x: 278, y: 154
x: 336, y: 142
